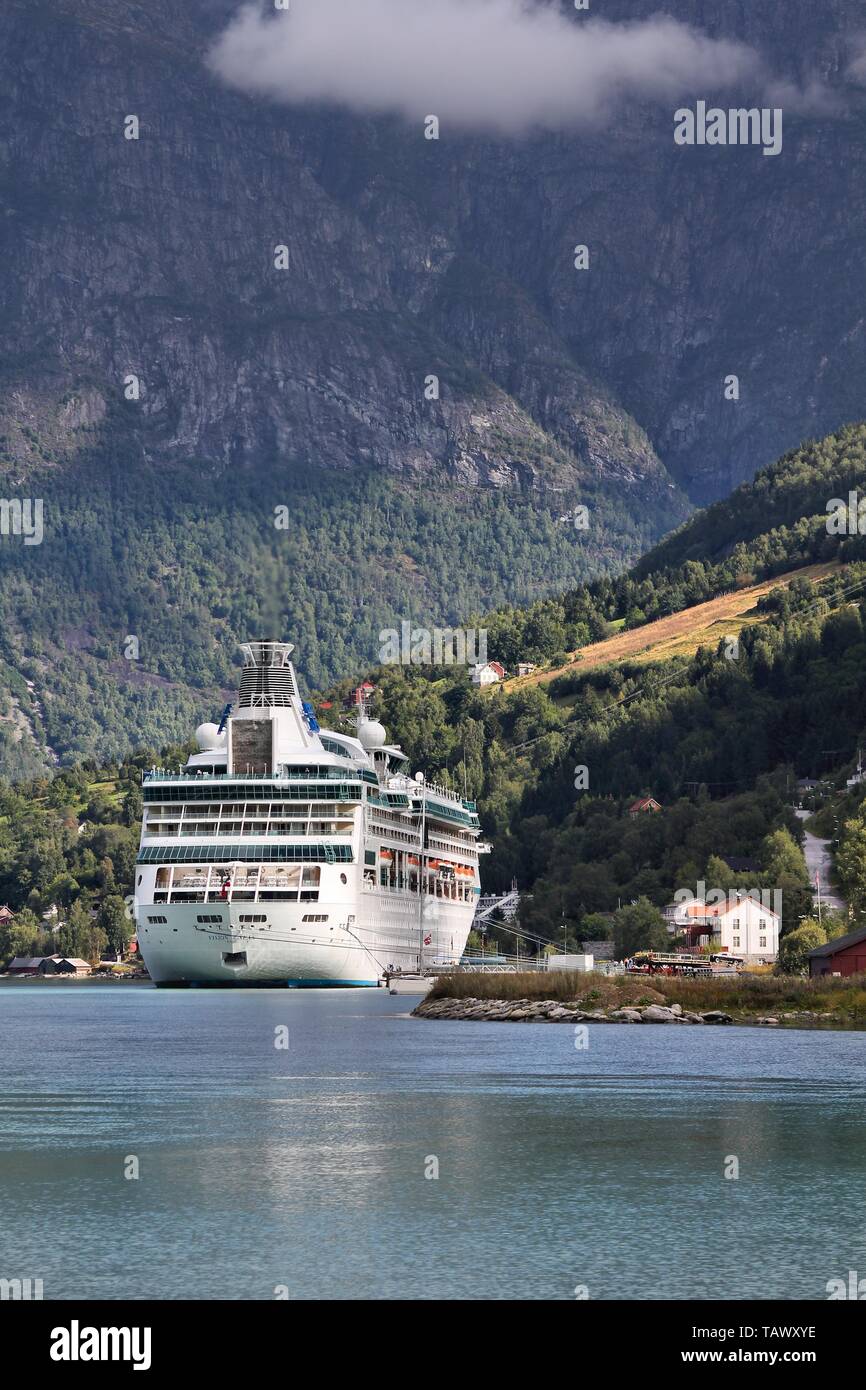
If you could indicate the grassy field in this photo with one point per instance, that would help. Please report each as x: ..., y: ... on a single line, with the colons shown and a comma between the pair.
x: 746, y: 996
x: 682, y: 633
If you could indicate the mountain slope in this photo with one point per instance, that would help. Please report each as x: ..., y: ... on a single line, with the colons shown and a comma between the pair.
x: 791, y: 497
x: 306, y: 389
x: 683, y: 633
x: 156, y: 257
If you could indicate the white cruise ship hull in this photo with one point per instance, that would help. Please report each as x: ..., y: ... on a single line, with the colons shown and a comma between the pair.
x: 286, y: 953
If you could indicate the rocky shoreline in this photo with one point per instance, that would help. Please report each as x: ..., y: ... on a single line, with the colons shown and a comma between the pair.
x: 555, y: 1011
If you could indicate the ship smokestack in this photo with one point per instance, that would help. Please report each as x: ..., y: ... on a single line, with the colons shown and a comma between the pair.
x: 267, y: 679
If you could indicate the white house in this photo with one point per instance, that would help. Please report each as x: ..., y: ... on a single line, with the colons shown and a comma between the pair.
x: 750, y: 929
x: 740, y: 926
x: 490, y: 673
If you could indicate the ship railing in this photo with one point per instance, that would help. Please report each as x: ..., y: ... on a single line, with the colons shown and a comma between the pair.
x: 398, y: 783
x: 163, y: 774
x: 191, y: 774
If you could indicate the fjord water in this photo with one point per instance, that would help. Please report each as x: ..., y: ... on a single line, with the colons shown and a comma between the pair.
x: 304, y: 1168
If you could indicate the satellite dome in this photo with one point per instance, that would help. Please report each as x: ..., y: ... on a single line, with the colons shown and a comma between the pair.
x: 372, y: 734
x: 208, y: 737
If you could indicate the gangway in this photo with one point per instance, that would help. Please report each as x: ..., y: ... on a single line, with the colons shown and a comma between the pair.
x: 506, y: 903
x: 497, y: 965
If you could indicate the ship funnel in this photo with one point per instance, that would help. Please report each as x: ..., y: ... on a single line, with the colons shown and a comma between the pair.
x: 268, y: 679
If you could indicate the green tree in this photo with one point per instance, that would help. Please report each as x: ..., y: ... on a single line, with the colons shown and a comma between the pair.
x: 73, y: 937
x: 795, y: 947
x: 638, y: 927
x: 851, y: 864
x: 20, y: 937
x: 595, y: 927
x: 114, y: 922
x: 782, y: 858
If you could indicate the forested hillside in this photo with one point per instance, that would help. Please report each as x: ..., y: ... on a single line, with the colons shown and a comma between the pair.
x: 193, y: 567
x: 719, y: 738
x: 719, y: 742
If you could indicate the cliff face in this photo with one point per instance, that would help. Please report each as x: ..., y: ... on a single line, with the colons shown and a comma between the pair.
x: 159, y: 258
x: 409, y: 258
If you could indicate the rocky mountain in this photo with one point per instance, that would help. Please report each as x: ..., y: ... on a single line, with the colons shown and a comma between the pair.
x: 156, y: 257
x: 408, y: 258
x: 256, y: 303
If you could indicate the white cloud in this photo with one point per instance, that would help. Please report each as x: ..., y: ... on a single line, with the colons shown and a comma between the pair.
x: 856, y: 71
x: 494, y: 65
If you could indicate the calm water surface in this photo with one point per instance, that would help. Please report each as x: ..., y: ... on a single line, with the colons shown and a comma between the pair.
x: 306, y: 1168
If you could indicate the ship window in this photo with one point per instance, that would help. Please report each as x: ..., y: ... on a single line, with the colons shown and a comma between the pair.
x: 158, y: 921
x: 313, y: 917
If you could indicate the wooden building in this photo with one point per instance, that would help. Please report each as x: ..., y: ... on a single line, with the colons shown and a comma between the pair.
x: 844, y: 956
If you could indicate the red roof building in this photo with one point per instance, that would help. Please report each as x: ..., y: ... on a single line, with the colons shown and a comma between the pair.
x: 844, y: 956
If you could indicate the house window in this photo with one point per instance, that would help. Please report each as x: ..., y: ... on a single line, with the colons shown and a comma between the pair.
x: 762, y: 925
x: 736, y: 941
x: 736, y: 924
x: 762, y: 941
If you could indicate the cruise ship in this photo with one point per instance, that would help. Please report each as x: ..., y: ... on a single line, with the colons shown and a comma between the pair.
x: 285, y: 854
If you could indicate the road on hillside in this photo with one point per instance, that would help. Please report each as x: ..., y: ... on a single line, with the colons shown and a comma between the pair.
x: 818, y: 861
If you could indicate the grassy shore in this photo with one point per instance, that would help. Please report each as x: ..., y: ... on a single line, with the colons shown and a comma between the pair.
x: 747, y: 997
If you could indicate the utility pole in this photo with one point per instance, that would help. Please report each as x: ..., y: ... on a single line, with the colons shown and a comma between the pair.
x: 422, y: 875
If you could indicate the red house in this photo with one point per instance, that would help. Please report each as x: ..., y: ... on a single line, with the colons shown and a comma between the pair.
x: 644, y: 804
x: 844, y: 956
